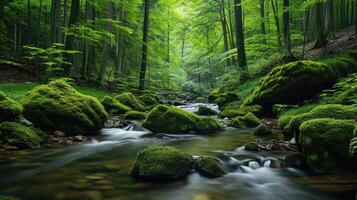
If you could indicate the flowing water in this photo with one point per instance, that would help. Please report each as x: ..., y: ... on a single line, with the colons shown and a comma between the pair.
x: 100, y: 170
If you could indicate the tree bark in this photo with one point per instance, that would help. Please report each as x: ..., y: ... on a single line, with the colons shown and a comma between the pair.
x: 330, y: 29
x: 320, y: 35
x: 277, y: 21
x: 224, y: 29
x: 55, y: 21
x: 262, y: 21
x: 286, y: 24
x: 240, y: 34
x: 144, y: 58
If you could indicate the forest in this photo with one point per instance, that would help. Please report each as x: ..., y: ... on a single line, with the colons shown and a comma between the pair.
x: 178, y: 99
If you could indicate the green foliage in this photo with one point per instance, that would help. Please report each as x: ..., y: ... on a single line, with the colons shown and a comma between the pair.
x: 161, y: 163
x: 9, y: 109
x: 21, y: 136
x: 113, y: 106
x: 165, y: 119
x: 2, y: 197
x: 58, y: 106
x: 209, y: 167
x: 130, y: 100
x: 135, y: 115
x: 247, y: 121
x: 326, y: 143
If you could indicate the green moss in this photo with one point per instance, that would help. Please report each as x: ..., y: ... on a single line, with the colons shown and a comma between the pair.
x: 247, y: 121
x: 298, y: 81
x: 113, y: 106
x: 325, y: 143
x: 59, y: 107
x: 334, y: 111
x: 285, y: 117
x: 135, y: 115
x: 149, y: 100
x: 231, y: 112
x: 201, y: 100
x: 161, y: 163
x: 208, y: 125
x: 262, y: 130
x: 225, y: 98
x: 130, y: 100
x: 166, y: 119
x: 9, y: 108
x: 205, y: 111
x: 209, y: 167
x: 21, y: 136
x: 2, y: 197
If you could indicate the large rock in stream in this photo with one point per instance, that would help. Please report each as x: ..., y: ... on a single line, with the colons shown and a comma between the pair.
x: 59, y: 107
x: 131, y: 101
x: 9, y: 108
x: 161, y: 163
x: 167, y: 119
x: 297, y: 81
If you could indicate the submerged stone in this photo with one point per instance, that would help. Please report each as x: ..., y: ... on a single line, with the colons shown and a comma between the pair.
x: 205, y: 111
x: 209, y: 167
x: 262, y: 130
x: 161, y: 163
x: 21, y: 136
x: 59, y: 107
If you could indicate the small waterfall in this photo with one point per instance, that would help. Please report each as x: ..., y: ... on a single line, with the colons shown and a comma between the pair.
x: 267, y: 163
x: 253, y: 164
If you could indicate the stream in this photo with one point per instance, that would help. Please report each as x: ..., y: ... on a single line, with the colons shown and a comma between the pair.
x: 100, y: 170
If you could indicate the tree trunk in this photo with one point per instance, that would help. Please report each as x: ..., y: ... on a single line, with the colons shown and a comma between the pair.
x: 286, y: 24
x: 39, y: 24
x: 144, y: 58
x: 277, y: 21
x: 55, y: 21
x: 320, y: 36
x: 106, y: 46
x: 29, y: 28
x: 224, y: 29
x: 118, y: 49
x: 262, y: 21
x: 330, y: 29
x: 240, y: 34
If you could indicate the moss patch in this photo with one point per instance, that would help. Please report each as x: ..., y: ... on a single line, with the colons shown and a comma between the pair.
x: 326, y: 142
x: 9, y: 108
x: 262, y: 130
x: 59, y: 107
x: 135, y: 115
x: 21, y: 136
x: 149, y: 100
x: 205, y: 111
x: 209, y: 167
x: 232, y: 112
x: 2, y: 197
x: 113, y: 106
x: 130, y: 100
x: 247, y: 121
x: 161, y: 163
x: 166, y: 119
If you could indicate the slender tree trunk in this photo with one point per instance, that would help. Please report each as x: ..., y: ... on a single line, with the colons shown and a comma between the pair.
x: 321, y: 40
x: 70, y: 43
x: 106, y: 46
x: 262, y: 21
x: 118, y: 50
x: 65, y: 20
x: 240, y: 34
x: 2, y: 5
x: 224, y: 29
x: 39, y: 23
x: 144, y: 58
x: 330, y: 29
x: 55, y: 21
x: 277, y: 21
x: 231, y: 32
x: 286, y: 28
x: 29, y: 28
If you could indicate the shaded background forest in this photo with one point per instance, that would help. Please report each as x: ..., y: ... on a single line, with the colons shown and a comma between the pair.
x: 192, y: 44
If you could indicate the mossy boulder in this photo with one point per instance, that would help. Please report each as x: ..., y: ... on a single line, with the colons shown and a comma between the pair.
x: 225, y: 98
x: 209, y: 167
x: 161, y: 163
x: 21, y: 136
x: 334, y: 111
x: 205, y: 111
x: 326, y: 143
x: 262, y: 130
x: 135, y: 115
x: 201, y: 100
x: 131, y: 101
x: 59, y: 107
x: 301, y: 80
x: 149, y: 100
x: 167, y: 119
x: 247, y: 121
x: 9, y: 108
x: 113, y: 106
x: 231, y: 112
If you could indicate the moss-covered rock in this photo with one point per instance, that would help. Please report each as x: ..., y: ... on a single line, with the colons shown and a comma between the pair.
x: 231, y: 112
x: 209, y: 167
x: 149, y: 100
x: 334, y: 111
x: 205, y: 111
x: 135, y: 115
x: 59, y: 107
x: 9, y: 109
x: 326, y: 143
x: 247, y: 121
x: 262, y: 130
x: 298, y: 81
x: 21, y: 136
x: 166, y: 119
x: 161, y: 163
x: 201, y: 100
x: 225, y: 98
x: 131, y: 101
x: 113, y: 106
